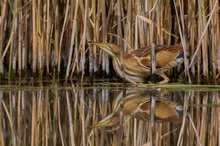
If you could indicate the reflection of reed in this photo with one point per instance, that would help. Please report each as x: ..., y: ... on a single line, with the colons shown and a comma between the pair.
x: 62, y: 117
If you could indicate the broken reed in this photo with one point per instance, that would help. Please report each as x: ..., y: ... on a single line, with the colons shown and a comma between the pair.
x: 50, y: 37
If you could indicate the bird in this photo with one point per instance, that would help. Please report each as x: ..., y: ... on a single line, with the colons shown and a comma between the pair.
x: 137, y: 104
x: 135, y: 67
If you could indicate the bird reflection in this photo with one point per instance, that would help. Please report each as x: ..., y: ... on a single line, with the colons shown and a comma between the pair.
x: 137, y: 104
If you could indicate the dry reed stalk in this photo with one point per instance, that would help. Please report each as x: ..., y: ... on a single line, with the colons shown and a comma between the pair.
x: 84, y: 9
x: 214, y: 35
x: 75, y: 97
x: 158, y: 18
x: 203, y: 128
x: 95, y: 120
x: 134, y: 130
x: 6, y: 49
x: 152, y: 113
x: 144, y: 132
x: 199, y: 63
x: 44, y: 38
x: 196, y: 133
x: 153, y: 42
x: 19, y: 120
x: 139, y: 26
x: 213, y: 135
x: 89, y: 37
x: 35, y: 34
x: 47, y: 118
x: 39, y: 118
x: 198, y: 112
x: 97, y: 25
x: 183, y: 40
x: 120, y: 129
x: 10, y: 121
x: 192, y: 30
x: 88, y: 104
x: 202, y: 35
x: 119, y: 33
x: 198, y: 117
x: 218, y: 55
x: 56, y: 35
x: 164, y: 132
x: 43, y: 120
x: 187, y: 96
x: 40, y: 52
x: 139, y: 133
x: 192, y: 114
x: 75, y: 66
x: 127, y: 130
x: 82, y: 116
x: 165, y: 128
x: 128, y: 28
x: 149, y: 21
x: 48, y: 42
x: 103, y: 112
x: 136, y: 33
x: 168, y: 23
x: 54, y: 117
x: 62, y: 33
x: 70, y: 119
x: 218, y: 116
x: 3, y: 6
x: 15, y: 40
x: 104, y: 56
x: 2, y: 140
x: 94, y: 24
x: 20, y: 38
x: 10, y: 43
x: 156, y: 132
x: 74, y: 28
x: 59, y: 123
x: 119, y: 25
x: 24, y: 113
x: 33, y: 120
x: 202, y: 18
x: 25, y: 39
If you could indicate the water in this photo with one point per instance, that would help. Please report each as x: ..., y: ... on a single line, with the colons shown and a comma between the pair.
x: 57, y: 115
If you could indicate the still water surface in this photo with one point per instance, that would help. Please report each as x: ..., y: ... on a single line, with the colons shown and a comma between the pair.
x: 131, y: 116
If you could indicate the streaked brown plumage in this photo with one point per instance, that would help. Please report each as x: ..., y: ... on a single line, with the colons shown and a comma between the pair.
x: 137, y: 104
x: 136, y: 65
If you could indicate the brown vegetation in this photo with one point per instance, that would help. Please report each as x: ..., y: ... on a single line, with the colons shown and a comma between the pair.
x: 49, y: 38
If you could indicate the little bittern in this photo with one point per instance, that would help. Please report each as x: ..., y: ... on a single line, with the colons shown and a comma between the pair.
x: 137, y: 105
x: 136, y: 66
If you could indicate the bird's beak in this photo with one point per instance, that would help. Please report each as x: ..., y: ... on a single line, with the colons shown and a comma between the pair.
x: 109, y: 120
x: 104, y: 46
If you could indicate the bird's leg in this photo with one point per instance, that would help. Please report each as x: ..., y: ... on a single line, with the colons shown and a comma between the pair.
x: 166, y: 79
x: 153, y: 78
x: 123, y: 75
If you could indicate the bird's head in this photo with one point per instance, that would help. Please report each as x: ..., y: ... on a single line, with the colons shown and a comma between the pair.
x: 110, y: 48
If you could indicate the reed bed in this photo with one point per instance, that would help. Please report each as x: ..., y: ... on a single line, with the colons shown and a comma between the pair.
x: 62, y: 116
x: 48, y: 39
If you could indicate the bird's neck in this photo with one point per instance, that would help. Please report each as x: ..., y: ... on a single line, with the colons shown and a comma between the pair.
x: 118, y: 63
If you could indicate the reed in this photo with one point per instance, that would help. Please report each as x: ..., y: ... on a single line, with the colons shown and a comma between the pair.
x: 55, y: 115
x: 47, y: 38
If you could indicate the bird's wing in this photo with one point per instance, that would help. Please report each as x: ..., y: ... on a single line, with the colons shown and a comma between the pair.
x: 164, y: 55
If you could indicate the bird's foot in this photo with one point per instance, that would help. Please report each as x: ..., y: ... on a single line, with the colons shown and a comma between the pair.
x: 141, y: 85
